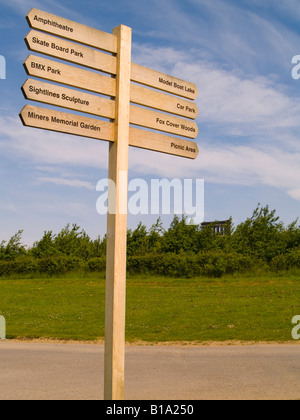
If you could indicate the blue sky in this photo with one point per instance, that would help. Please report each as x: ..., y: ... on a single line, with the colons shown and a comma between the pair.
x: 239, y: 54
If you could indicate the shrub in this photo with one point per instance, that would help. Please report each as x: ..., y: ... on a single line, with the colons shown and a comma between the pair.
x: 286, y: 261
x: 95, y: 265
x: 59, y: 265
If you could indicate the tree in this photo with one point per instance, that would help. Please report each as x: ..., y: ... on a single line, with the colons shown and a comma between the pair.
x: 260, y: 235
x: 292, y: 236
x: 180, y: 237
x: 45, y: 247
x: 137, y: 241
x: 14, y: 247
x: 155, y: 237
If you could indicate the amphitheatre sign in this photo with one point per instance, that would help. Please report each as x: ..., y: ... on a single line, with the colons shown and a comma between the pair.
x: 107, y: 85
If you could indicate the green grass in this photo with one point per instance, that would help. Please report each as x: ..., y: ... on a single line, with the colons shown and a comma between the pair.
x: 258, y: 308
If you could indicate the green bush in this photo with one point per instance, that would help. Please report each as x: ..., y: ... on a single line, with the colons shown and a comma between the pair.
x: 286, y: 261
x: 59, y: 265
x: 95, y: 265
x: 212, y: 264
x: 184, y: 250
x: 5, y: 268
x: 22, y: 265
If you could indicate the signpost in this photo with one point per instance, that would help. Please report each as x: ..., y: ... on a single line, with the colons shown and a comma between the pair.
x: 2, y: 328
x: 171, y: 96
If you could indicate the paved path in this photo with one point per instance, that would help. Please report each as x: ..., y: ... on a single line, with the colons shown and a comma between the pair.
x: 34, y: 371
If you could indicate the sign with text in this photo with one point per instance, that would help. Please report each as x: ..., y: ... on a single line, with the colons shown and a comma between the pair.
x: 163, y: 102
x: 164, y: 82
x: 69, y: 51
x: 68, y: 75
x: 95, y: 59
x: 135, y: 96
x: 164, y: 144
x: 43, y: 21
x: 96, y: 105
x: 163, y: 122
x: 101, y: 130
x: 67, y: 123
x: 69, y: 98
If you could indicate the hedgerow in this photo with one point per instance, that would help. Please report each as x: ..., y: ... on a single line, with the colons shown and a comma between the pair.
x: 183, y: 250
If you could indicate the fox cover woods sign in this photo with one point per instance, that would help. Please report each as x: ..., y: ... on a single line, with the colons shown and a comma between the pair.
x: 106, y: 70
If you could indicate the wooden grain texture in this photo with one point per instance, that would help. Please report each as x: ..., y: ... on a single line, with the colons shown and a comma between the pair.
x: 163, y: 122
x: 47, y: 22
x: 62, y: 122
x: 69, y: 51
x: 117, y: 227
x: 96, y: 60
x: 39, y: 91
x: 163, y: 144
x: 70, y: 75
x: 61, y: 96
x: 163, y: 102
x: 153, y: 78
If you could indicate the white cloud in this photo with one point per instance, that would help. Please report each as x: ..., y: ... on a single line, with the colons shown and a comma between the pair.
x: 42, y: 147
x: 242, y: 165
x: 9, y: 206
x: 76, y: 183
x: 227, y: 97
x: 230, y: 165
x: 231, y: 99
x: 294, y: 194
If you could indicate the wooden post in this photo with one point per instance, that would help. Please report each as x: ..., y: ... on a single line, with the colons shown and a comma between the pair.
x: 117, y: 226
x: 2, y: 328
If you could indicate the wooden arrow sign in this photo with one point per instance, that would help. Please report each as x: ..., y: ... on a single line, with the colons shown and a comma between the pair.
x: 67, y: 123
x: 43, y: 21
x: 95, y: 105
x: 65, y: 50
x: 94, y: 82
x: 62, y: 122
x: 47, y: 93
x: 163, y: 102
x: 163, y: 81
x: 164, y: 144
x: 163, y: 122
x: 69, y: 51
x: 94, y: 59
x: 68, y: 75
x: 64, y: 28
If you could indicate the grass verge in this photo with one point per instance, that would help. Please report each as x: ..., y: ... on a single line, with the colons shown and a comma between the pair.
x: 243, y: 308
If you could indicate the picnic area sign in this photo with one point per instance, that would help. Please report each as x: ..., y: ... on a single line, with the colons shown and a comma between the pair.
x: 132, y: 96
